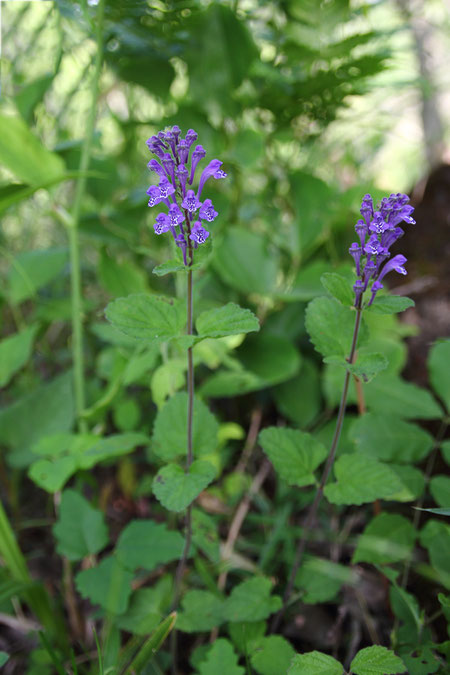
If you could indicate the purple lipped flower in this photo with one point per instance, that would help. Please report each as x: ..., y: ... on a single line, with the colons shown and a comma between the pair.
x: 378, y: 224
x: 396, y: 264
x: 402, y: 215
x: 182, y: 175
x: 198, y: 233
x: 175, y: 215
x: 207, y: 211
x: 176, y: 131
x: 373, y: 246
x: 191, y: 137
x: 369, y: 270
x: 162, y: 223
x: 154, y: 165
x: 190, y: 202
x: 165, y: 187
x: 361, y: 230
x: 367, y: 209
x: 183, y: 151
x: 355, y: 251
x: 169, y: 166
x: 213, y: 169
x: 376, y: 286
x: 391, y: 236
x: 155, y: 196
x: 198, y: 154
x: 358, y: 287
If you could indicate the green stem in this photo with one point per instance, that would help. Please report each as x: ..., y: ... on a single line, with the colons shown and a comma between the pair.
x: 326, y: 472
x: 74, y: 244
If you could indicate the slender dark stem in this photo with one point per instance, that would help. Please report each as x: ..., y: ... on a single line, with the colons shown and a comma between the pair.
x: 326, y: 472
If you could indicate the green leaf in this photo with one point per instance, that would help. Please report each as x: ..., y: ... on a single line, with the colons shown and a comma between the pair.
x: 330, y: 326
x: 121, y: 278
x: 174, y: 266
x: 221, y: 658
x: 375, y: 660
x: 251, y: 601
x: 438, y: 512
x: 166, y: 380
x: 80, y: 529
x: 170, y: 429
x: 52, y: 475
x: 294, y: 454
x: 440, y: 489
x: 244, y: 263
x: 390, y: 439
x: 438, y: 366
x: 23, y: 154
x: 361, y: 480
x: 151, y: 646
x: 227, y: 320
x: 313, y: 203
x: 176, y: 489
x: 339, y: 287
x: 388, y: 392
x: 307, y: 284
x: 366, y: 367
x: 320, y: 579
x: 388, y: 538
x: 271, y: 655
x: 110, y: 447
x: 145, y: 609
x: 244, y: 633
x: 146, y: 544
x: 300, y: 409
x: 390, y: 304
x: 3, y: 658
x: 200, y: 611
x: 15, y: 352
x: 107, y: 585
x: 31, y: 270
x: 315, y: 663
x: 146, y: 317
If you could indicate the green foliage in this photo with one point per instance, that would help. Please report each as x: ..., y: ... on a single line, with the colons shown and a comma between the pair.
x: 146, y: 544
x: 339, y: 287
x: 294, y: 454
x: 373, y: 660
x: 271, y: 655
x: 146, y: 317
x: 438, y: 361
x: 201, y: 611
x: 315, y: 663
x: 361, y: 479
x: 387, y: 538
x: 227, y: 320
x: 80, y: 529
x: 15, y: 352
x: 390, y: 439
x: 320, y: 580
x: 176, y: 489
x: 390, y: 304
x: 330, y: 326
x: 107, y: 585
x: 220, y: 658
x: 32, y: 270
x: 251, y: 601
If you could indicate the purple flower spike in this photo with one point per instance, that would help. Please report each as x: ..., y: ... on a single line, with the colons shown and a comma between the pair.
x: 213, y: 169
x: 155, y: 195
x: 162, y: 223
x: 175, y: 215
x: 154, y: 165
x: 190, y: 202
x: 396, y: 264
x: 358, y: 287
x: 376, y: 286
x: 198, y: 154
x: 207, y: 211
x: 361, y: 230
x: 198, y: 233
x: 355, y: 251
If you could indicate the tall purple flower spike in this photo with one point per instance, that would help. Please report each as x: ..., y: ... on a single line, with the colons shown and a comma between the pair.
x: 176, y: 167
x: 377, y: 231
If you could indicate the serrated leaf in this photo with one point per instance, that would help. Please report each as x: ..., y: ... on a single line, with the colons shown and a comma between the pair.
x: 80, y: 529
x: 321, y: 579
x: 146, y: 544
x: 438, y: 366
x: 200, y: 611
x: 360, y: 480
x: 171, y: 266
x: 330, y: 326
x: 390, y: 439
x: 294, y: 454
x: 146, y: 317
x: 227, y: 320
x: 315, y: 663
x: 145, y: 609
x: 221, y: 658
x: 390, y: 304
x: 15, y: 351
x: 170, y: 429
x: 176, y: 489
x: 52, y: 475
x: 366, y: 366
x: 388, y: 538
x: 271, y: 655
x: 107, y: 585
x: 251, y: 601
x: 388, y: 392
x: 339, y: 287
x: 375, y: 660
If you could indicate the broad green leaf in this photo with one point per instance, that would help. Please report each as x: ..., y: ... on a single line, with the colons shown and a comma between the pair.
x: 244, y: 633
x: 436, y: 537
x: 412, y: 480
x: 339, y: 287
x: 80, y: 529
x: 110, y: 447
x: 330, y: 326
x: 173, y: 266
x: 271, y: 655
x: 107, y: 585
x: 438, y: 366
x: 313, y: 203
x: 361, y: 480
x: 440, y: 489
x: 291, y: 398
x: 31, y: 270
x: 388, y: 538
x: 272, y: 358
x: 15, y: 352
x: 221, y: 658
x: 24, y: 155
x: 367, y: 365
x: 227, y: 320
x: 146, y: 544
x: 3, y: 658
x: 176, y: 489
x: 52, y: 475
x: 244, y: 263
x: 388, y: 438
x: 231, y: 383
x: 168, y: 378
x: 251, y: 601
x: 321, y: 579
x: 375, y: 660
x: 146, y: 317
x: 388, y: 392
x: 315, y: 663
x: 170, y: 429
x: 390, y: 304
x: 139, y: 365
x: 121, y: 278
x: 144, y: 611
x: 294, y: 454
x: 200, y: 611
x: 307, y: 284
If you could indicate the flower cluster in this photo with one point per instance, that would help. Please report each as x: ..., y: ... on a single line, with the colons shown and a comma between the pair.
x: 377, y: 231
x: 176, y: 168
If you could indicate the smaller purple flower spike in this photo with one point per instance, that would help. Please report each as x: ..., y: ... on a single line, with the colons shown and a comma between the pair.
x: 198, y: 233
x: 207, y: 211
x: 162, y: 223
x: 175, y: 215
x: 190, y: 202
x: 396, y: 264
x: 198, y: 154
x: 213, y: 169
x: 361, y: 230
x: 376, y: 286
x: 355, y: 251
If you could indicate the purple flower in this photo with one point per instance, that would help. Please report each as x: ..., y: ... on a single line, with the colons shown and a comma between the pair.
x: 213, y: 169
x: 190, y: 202
x: 376, y: 286
x: 183, y: 151
x: 166, y: 189
x: 162, y: 223
x: 154, y: 165
x: 182, y: 175
x: 377, y: 224
x: 361, y: 230
x: 396, y: 264
x: 175, y: 215
x: 358, y: 287
x: 373, y: 246
x: 391, y: 236
x: 355, y: 251
x: 155, y: 196
x: 198, y: 154
x: 207, y: 211
x: 367, y: 209
x: 198, y: 233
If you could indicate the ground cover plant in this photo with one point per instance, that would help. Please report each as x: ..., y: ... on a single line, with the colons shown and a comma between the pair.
x: 219, y: 454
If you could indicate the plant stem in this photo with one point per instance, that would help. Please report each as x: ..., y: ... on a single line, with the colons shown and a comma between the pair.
x: 74, y: 244
x: 326, y: 472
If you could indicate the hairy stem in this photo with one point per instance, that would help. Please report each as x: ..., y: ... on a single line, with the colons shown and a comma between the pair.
x: 326, y: 472
x: 74, y: 244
